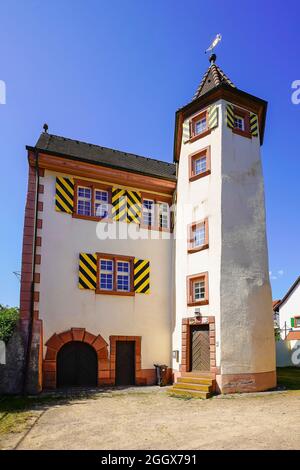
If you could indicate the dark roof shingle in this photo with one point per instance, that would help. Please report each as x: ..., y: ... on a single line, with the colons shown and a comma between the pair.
x: 96, y: 154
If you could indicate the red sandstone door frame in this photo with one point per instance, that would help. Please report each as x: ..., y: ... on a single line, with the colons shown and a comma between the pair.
x: 187, y: 323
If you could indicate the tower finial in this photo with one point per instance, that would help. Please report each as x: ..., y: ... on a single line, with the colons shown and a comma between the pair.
x: 45, y: 127
x: 212, y: 58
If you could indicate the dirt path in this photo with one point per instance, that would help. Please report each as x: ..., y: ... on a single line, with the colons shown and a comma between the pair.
x: 152, y: 420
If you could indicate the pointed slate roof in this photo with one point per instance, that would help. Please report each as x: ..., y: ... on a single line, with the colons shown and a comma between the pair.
x: 213, y: 77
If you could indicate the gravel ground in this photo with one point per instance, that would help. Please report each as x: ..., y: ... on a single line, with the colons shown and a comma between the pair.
x: 147, y: 418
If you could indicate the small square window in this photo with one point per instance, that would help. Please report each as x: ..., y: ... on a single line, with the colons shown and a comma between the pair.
x: 200, y: 165
x: 197, y: 289
x: 199, y: 235
x: 101, y: 203
x: 164, y: 215
x: 148, y: 212
x: 239, y: 123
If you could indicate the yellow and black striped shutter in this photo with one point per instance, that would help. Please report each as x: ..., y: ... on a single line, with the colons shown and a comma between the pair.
x: 64, y: 194
x: 119, y: 204
x: 87, y: 271
x: 213, y: 116
x: 254, y: 124
x: 134, y: 206
x: 186, y: 131
x: 230, y: 116
x: 141, y: 276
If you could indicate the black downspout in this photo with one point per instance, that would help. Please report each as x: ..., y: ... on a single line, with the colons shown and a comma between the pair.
x: 31, y: 318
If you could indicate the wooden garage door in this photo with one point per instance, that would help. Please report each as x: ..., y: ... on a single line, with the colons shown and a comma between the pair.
x: 77, y: 365
x: 125, y: 363
x: 200, y: 360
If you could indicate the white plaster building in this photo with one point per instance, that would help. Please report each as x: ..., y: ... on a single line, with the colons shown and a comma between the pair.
x: 99, y: 310
x: 288, y: 313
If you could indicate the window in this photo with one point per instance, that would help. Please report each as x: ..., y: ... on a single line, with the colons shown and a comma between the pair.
x: 164, y: 215
x: 84, y: 201
x: 123, y: 276
x: 91, y: 200
x: 101, y: 203
x: 198, y: 236
x: 106, y: 274
x: 199, y: 164
x: 239, y: 123
x: 148, y: 212
x: 197, y: 289
x: 156, y: 213
x: 297, y: 322
x: 115, y: 274
x: 199, y: 126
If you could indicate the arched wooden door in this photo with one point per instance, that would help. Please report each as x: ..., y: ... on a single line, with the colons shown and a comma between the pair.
x: 77, y: 365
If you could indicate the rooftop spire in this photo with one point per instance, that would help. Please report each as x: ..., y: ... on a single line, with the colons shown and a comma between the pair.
x: 213, y: 77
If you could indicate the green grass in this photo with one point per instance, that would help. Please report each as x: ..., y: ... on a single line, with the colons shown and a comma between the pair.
x: 289, y: 377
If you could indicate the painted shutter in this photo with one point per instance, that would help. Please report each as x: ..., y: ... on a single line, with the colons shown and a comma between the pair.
x: 254, y: 124
x: 134, y: 206
x: 230, y: 116
x: 118, y: 201
x: 64, y: 194
x: 141, y: 276
x: 186, y: 131
x: 87, y: 271
x: 213, y: 117
x: 292, y: 322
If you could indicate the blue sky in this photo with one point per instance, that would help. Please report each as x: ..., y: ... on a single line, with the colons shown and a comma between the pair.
x: 114, y: 72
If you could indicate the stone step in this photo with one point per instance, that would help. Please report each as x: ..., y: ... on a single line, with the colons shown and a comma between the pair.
x: 195, y: 380
x: 188, y: 393
x: 193, y: 386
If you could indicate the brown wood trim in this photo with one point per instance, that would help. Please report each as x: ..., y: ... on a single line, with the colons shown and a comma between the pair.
x: 190, y: 297
x: 115, y: 258
x: 190, y: 229
x: 111, y: 175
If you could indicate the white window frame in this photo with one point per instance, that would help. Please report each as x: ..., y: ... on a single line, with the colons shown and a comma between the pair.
x: 100, y: 203
x: 146, y: 210
x: 239, y: 119
x: 106, y: 271
x: 124, y: 274
x: 200, y: 158
x: 163, y: 215
x: 84, y: 199
x: 201, y: 283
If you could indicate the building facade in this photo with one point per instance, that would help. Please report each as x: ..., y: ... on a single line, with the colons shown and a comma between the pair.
x: 129, y: 261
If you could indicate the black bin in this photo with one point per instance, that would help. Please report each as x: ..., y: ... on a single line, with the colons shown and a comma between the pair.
x: 161, y: 374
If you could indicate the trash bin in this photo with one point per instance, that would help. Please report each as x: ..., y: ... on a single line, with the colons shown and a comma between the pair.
x: 161, y: 374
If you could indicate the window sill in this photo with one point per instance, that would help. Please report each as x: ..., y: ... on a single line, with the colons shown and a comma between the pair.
x: 92, y: 217
x: 199, y: 136
x: 200, y: 248
x: 113, y: 292
x: 242, y: 133
x: 197, y: 304
x: 201, y: 175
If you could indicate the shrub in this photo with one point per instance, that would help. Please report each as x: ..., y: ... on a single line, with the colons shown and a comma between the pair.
x: 8, y: 320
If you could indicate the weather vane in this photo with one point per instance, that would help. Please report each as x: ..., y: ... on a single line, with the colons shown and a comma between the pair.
x: 214, y: 43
